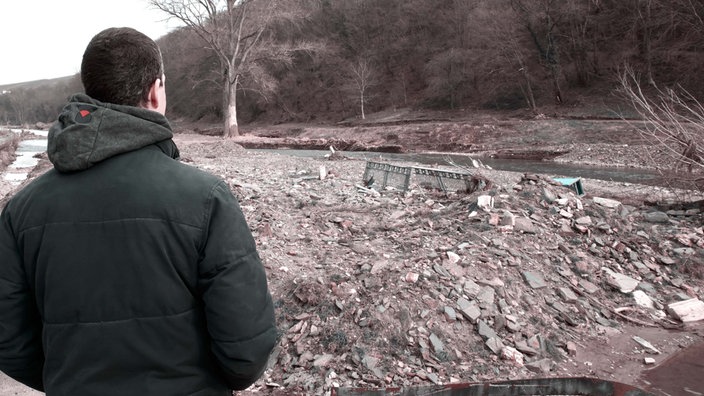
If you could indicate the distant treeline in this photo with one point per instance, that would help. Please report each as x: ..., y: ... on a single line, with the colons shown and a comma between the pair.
x: 36, y: 101
x: 439, y: 54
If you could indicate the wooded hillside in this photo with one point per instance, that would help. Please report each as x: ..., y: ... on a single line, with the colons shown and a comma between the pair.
x: 371, y: 55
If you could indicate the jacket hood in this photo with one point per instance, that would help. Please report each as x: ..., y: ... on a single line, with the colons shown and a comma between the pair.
x: 89, y: 131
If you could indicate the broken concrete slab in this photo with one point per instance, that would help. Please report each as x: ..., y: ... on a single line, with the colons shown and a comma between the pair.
x: 567, y: 294
x: 691, y: 310
x: 621, y: 282
x: 525, y: 225
x: 469, y: 309
x: 495, y: 345
x: 643, y: 299
x: 535, y: 280
x: 606, y: 202
x: 485, y: 330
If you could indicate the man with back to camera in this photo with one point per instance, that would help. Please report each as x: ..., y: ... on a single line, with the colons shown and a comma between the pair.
x: 122, y: 270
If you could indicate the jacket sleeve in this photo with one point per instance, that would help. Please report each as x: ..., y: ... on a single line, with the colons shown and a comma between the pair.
x: 238, y: 306
x: 21, y: 353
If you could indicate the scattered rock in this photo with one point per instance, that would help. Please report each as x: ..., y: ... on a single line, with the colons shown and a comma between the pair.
x: 524, y: 224
x: 542, y: 366
x: 645, y: 344
x: 485, y: 330
x: 379, y: 287
x: 535, y: 280
x: 323, y: 360
x: 589, y: 287
x: 656, y: 217
x: 469, y: 309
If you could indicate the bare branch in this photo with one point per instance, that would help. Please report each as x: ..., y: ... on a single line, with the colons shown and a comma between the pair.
x: 673, y: 124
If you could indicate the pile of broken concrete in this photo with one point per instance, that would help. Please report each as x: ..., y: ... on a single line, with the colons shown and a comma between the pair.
x: 402, y: 288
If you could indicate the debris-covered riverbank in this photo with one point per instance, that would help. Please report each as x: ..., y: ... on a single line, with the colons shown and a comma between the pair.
x: 381, y: 287
x: 392, y: 288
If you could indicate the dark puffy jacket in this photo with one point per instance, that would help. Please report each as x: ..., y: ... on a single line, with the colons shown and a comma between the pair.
x: 126, y: 272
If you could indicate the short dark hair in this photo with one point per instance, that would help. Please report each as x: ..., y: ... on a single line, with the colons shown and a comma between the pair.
x: 120, y: 65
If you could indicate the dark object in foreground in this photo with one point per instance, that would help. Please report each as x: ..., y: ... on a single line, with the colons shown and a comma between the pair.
x: 538, y: 386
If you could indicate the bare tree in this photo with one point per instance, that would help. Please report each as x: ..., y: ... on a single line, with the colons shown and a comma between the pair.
x: 236, y: 31
x: 646, y: 15
x: 363, y: 77
x: 512, y: 63
x: 460, y: 58
x: 513, y: 52
x: 448, y: 76
x: 673, y: 126
x: 19, y: 103
x: 540, y: 18
x: 580, y: 39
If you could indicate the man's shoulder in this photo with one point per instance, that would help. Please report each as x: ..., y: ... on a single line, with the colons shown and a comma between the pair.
x: 152, y: 163
x: 27, y: 190
x: 195, y: 173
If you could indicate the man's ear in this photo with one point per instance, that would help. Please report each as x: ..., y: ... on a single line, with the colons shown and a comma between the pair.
x: 156, y: 100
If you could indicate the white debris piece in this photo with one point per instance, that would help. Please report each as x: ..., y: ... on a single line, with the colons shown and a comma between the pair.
x: 690, y: 310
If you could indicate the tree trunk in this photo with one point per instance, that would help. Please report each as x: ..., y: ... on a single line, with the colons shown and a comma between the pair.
x: 556, y: 83
x: 230, y: 128
x: 527, y: 91
x: 361, y: 102
x: 647, y: 42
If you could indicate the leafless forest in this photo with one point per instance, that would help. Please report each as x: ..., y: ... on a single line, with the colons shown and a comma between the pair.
x: 328, y: 60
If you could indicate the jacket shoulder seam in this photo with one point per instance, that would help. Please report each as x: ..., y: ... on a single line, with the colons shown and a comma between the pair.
x: 109, y: 221
x: 114, y: 321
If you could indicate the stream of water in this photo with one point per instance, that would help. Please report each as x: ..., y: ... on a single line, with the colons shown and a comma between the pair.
x: 555, y: 169
x: 17, y: 172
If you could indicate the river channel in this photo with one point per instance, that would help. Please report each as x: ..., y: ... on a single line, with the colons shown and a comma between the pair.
x: 25, y: 159
x: 555, y: 169
x: 27, y: 149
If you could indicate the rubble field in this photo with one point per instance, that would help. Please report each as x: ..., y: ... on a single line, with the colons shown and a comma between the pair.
x: 519, y: 278
x: 524, y: 279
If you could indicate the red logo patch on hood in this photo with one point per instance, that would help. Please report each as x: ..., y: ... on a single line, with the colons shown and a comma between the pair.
x: 84, y: 114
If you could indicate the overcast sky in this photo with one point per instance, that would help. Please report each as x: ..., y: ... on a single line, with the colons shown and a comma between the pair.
x: 46, y: 38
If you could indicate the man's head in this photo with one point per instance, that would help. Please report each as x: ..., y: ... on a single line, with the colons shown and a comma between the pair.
x: 123, y: 66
